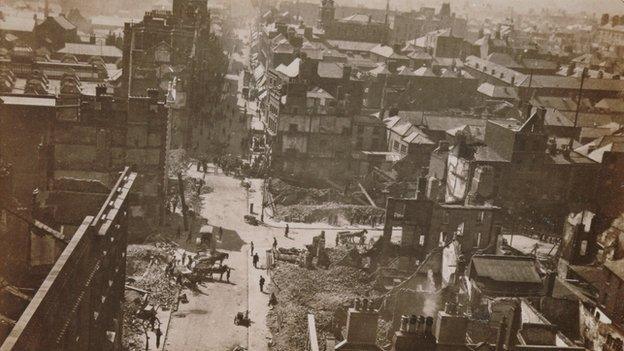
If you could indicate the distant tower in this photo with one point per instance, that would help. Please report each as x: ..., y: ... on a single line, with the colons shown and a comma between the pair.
x: 327, y: 13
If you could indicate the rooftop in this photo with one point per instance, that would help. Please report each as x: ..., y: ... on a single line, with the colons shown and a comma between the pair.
x: 91, y: 50
x: 28, y: 101
x: 518, y: 269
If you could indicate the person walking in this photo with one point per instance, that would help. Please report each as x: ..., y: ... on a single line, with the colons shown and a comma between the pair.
x: 274, y: 243
x: 227, y: 274
x: 262, y: 284
x: 158, y: 336
x: 220, y: 233
x: 256, y: 258
x: 286, y: 230
x: 252, y: 248
x: 272, y: 300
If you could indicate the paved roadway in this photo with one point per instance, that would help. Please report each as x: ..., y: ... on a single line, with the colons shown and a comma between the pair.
x: 206, y: 322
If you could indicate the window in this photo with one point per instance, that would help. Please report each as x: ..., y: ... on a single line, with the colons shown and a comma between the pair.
x: 446, y: 217
x: 395, y: 146
x: 403, y: 149
x: 421, y: 240
x: 480, y: 217
x: 583, y: 249
x: 477, y: 241
x: 101, y: 139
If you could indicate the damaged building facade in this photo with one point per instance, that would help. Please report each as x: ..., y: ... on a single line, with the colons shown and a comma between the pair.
x: 75, y: 302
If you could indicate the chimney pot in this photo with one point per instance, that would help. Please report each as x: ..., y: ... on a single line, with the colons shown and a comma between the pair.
x: 356, y: 304
x: 421, y: 324
x: 405, y: 319
x: 429, y: 326
x: 411, y: 328
x: 365, y: 305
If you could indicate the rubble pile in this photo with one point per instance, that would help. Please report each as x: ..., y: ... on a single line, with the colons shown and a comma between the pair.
x: 342, y: 214
x: 286, y: 194
x: 324, y: 292
x: 145, y: 269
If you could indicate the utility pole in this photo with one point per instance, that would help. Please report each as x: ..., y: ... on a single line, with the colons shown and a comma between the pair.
x: 578, y: 103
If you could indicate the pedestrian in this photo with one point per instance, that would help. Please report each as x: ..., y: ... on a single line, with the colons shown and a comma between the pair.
x: 274, y: 243
x: 183, y: 257
x: 198, y: 165
x: 174, y: 203
x: 272, y: 300
x: 158, y: 335
x: 252, y: 248
x: 220, y: 233
x: 256, y: 259
x: 286, y: 230
x: 261, y: 284
x: 227, y: 274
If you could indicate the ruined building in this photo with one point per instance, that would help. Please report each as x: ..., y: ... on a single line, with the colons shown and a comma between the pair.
x: 74, y: 303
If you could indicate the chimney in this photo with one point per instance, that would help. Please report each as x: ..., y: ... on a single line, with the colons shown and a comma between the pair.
x: 346, y: 72
x: 307, y: 32
x: 396, y: 47
x: 92, y: 39
x: 604, y: 20
x: 100, y: 90
x: 361, y: 324
x: 451, y: 327
x: 615, y: 20
x: 421, y: 190
x: 549, y: 283
x: 415, y: 334
x: 500, y: 338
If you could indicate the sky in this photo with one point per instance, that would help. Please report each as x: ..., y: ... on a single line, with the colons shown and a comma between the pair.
x: 597, y: 6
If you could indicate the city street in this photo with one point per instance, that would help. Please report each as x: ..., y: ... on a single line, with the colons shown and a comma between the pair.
x: 206, y: 322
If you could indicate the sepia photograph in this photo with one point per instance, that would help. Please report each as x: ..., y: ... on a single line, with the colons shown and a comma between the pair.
x: 312, y: 175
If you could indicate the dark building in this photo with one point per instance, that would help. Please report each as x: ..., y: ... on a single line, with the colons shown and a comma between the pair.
x: 77, y: 309
x: 527, y: 168
x: 357, y: 27
x: 54, y: 32
x: 426, y: 225
x: 88, y: 138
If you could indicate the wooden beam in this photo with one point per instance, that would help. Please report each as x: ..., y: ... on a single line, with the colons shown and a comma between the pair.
x: 313, y: 338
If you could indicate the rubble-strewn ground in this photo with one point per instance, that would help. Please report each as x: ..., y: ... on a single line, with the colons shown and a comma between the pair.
x: 145, y: 270
x: 309, y: 205
x: 325, y: 293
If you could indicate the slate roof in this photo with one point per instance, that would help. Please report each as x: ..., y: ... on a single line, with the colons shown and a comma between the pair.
x: 617, y: 267
x: 91, y: 50
x: 498, y: 91
x: 615, y: 105
x: 517, y: 269
x: 17, y: 24
x: 64, y: 23
x: 329, y: 70
x: 348, y: 45
x: 27, y: 101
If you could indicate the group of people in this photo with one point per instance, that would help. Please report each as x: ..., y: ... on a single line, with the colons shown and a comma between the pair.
x: 372, y: 220
x: 262, y: 281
